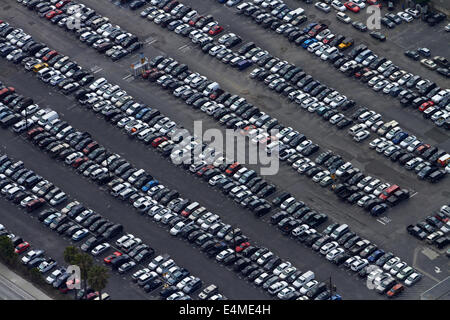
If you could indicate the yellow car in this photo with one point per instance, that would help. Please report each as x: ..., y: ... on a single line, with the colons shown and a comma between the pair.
x: 39, y: 66
x: 345, y: 44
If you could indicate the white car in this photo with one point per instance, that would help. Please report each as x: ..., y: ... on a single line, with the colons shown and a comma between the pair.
x: 405, y: 16
x: 99, y: 249
x: 413, y: 278
x: 308, y: 286
x: 322, y: 6
x: 343, y: 17
x: 361, y: 135
x: 334, y: 253
x: 360, y: 3
x: 177, y: 228
x: 337, y: 5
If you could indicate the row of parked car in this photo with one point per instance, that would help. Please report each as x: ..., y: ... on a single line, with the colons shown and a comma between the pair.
x: 438, y: 63
x: 426, y: 161
x: 308, y: 37
x: 17, y: 179
x: 53, y: 273
x: 434, y: 229
x: 90, y: 27
x: 383, y: 76
x: 187, y: 22
x: 341, y: 246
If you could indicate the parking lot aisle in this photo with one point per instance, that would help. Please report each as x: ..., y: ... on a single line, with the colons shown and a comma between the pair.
x: 27, y: 226
x: 154, y: 235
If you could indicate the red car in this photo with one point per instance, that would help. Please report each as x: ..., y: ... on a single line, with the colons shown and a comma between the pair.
x: 112, y: 256
x: 242, y: 246
x: 49, y: 55
x: 352, y: 7
x: 395, y: 290
x: 424, y: 106
x: 91, y: 147
x: 146, y: 73
x: 35, y: 204
x: 388, y: 191
x: 374, y: 3
x: 203, y: 170
x: 246, y: 130
x: 318, y: 28
x: 194, y: 20
x: 22, y: 247
x: 52, y: 14
x: 62, y: 3
x: 328, y: 39
x: 6, y: 92
x: 158, y: 141
x: 233, y: 168
x: 215, y: 30
x: 421, y: 149
x: 34, y: 132
x: 79, y: 161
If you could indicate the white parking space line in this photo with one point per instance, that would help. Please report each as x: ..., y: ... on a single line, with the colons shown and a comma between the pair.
x: 414, y: 194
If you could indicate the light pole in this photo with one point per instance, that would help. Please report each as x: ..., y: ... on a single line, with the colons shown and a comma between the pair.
x: 234, y: 243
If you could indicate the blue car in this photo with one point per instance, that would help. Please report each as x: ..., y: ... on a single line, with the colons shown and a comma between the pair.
x: 399, y: 137
x: 142, y: 113
x: 309, y: 27
x: 375, y: 256
x: 4, y: 114
x: 308, y: 42
x: 80, y: 234
x: 149, y: 185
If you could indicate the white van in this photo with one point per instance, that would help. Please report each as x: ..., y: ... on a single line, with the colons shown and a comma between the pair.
x: 48, y: 117
x: 293, y: 14
x: 356, y: 128
x: 339, y: 231
x: 273, y: 146
x: 98, y: 22
x: 211, y: 88
x: 304, y: 278
x: 135, y: 176
x: 97, y: 83
x: 64, y: 132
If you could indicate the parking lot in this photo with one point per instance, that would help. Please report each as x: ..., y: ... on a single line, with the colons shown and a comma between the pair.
x: 387, y: 231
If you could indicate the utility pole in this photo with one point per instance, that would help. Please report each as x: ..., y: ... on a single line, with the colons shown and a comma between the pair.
x: 332, y: 287
x: 234, y: 243
x: 26, y: 118
x: 107, y: 166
